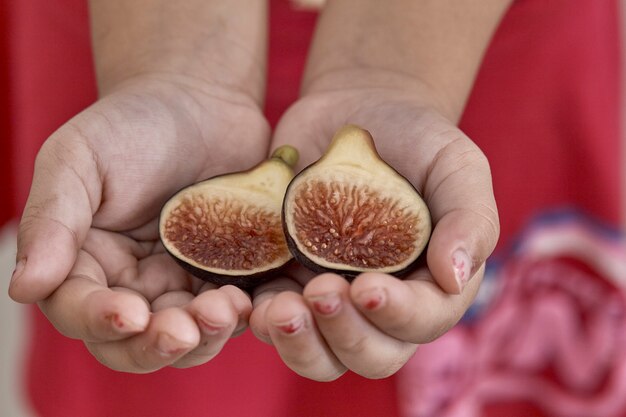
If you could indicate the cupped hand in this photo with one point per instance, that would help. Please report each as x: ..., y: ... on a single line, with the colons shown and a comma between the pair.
x: 323, y: 325
x: 88, y: 246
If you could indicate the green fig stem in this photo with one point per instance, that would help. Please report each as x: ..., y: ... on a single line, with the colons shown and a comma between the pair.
x: 288, y: 154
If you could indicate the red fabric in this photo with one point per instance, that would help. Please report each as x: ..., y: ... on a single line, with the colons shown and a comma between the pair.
x: 7, y: 209
x: 544, y: 110
x: 51, y: 77
x: 290, y: 34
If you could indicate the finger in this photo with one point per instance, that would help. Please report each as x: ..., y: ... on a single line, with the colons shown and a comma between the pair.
x: 172, y: 299
x: 84, y: 308
x: 415, y: 310
x: 217, y: 316
x: 356, y: 342
x: 170, y: 335
x: 298, y: 342
x: 261, y: 299
x: 243, y: 306
x: 65, y: 193
x: 459, y: 194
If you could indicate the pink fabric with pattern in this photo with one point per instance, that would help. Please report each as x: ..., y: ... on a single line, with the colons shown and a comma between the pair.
x: 552, y: 336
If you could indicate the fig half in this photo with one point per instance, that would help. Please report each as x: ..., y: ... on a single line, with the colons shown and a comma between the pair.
x: 227, y: 229
x: 350, y: 212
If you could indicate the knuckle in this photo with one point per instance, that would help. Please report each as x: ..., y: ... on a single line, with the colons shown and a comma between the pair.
x: 68, y: 326
x: 327, y: 376
x: 316, y: 368
x: 402, y: 322
x: 139, y: 363
x: 487, y: 218
x: 127, y: 361
x: 302, y: 361
x: 380, y: 372
x: 96, y: 350
x: 434, y: 330
x: 355, y: 345
x: 192, y: 358
x: 389, y: 365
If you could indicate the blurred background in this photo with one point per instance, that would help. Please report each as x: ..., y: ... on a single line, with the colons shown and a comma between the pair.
x: 16, y: 72
x: 14, y: 317
x: 13, y: 322
x: 12, y: 346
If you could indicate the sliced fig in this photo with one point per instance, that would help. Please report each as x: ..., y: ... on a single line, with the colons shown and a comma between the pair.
x: 227, y: 229
x: 350, y: 212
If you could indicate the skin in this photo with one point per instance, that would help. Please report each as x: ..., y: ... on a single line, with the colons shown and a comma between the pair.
x: 410, y: 102
x: 428, y: 302
x: 176, y: 94
x: 88, y: 250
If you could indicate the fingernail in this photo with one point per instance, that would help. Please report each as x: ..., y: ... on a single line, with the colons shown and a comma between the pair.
x: 167, y: 345
x: 372, y: 299
x: 209, y: 327
x: 292, y: 326
x: 462, y: 266
x: 123, y: 325
x: 327, y: 304
x: 19, y: 269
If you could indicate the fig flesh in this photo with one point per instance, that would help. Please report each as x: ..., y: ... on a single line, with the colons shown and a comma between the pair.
x: 227, y: 229
x: 350, y: 212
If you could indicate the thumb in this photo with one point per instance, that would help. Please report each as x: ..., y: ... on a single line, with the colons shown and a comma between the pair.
x: 65, y: 191
x: 460, y: 196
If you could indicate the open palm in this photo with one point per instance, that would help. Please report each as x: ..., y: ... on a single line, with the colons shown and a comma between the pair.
x: 325, y: 325
x: 88, y: 241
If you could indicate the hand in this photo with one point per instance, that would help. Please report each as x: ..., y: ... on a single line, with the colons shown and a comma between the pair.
x: 88, y: 246
x: 323, y: 325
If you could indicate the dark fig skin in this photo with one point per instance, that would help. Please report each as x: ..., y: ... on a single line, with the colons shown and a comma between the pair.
x: 245, y: 282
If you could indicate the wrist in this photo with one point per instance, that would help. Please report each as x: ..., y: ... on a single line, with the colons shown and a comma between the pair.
x: 438, y: 43
x: 216, y: 42
x: 365, y: 82
x: 236, y: 74
x: 183, y: 87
